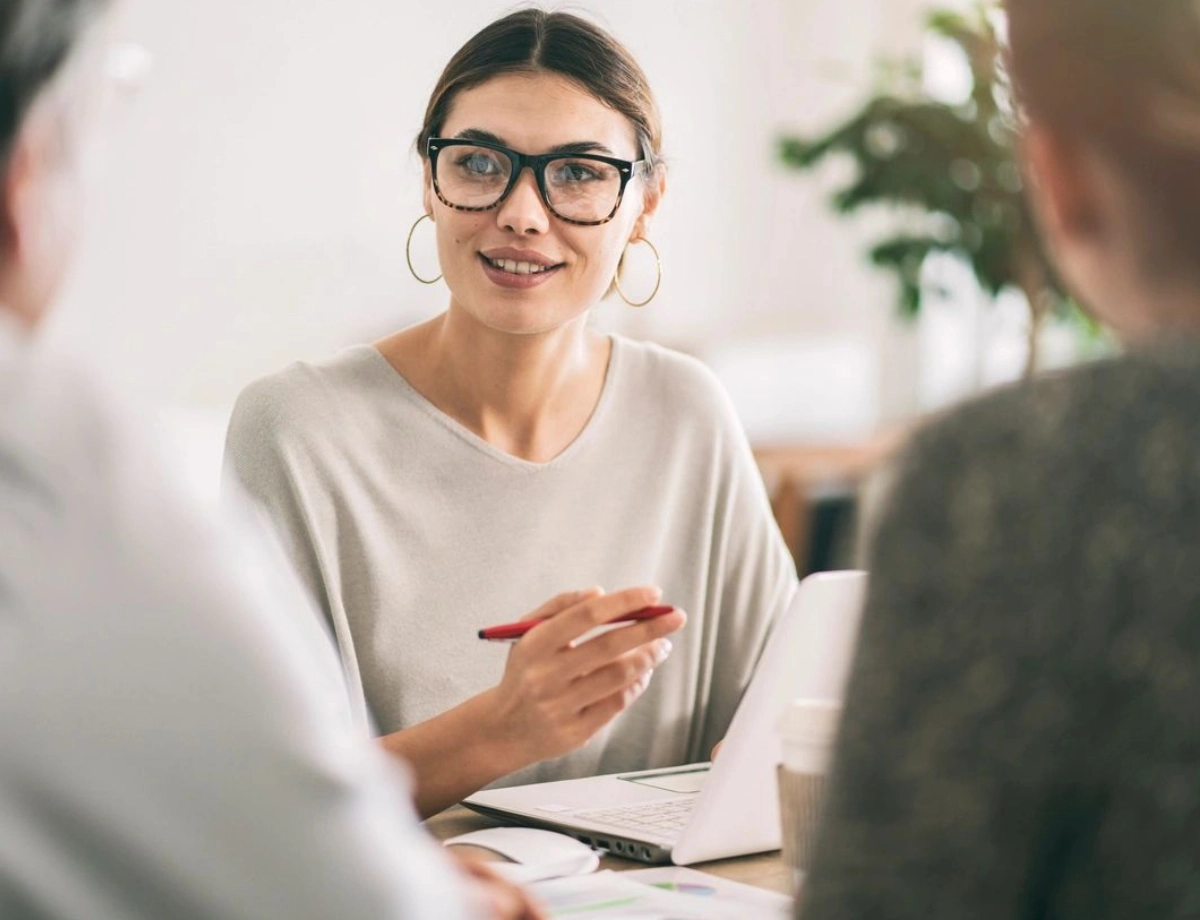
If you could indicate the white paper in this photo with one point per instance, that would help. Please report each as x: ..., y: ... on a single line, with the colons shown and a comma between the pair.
x: 751, y: 901
x: 610, y: 896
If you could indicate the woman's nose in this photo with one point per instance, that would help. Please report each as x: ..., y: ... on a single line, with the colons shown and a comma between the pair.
x: 523, y: 211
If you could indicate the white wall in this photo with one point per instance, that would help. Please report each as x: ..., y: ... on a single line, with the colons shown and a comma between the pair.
x: 259, y: 192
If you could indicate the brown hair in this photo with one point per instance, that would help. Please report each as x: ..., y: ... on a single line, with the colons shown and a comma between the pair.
x: 533, y: 41
x: 1123, y: 75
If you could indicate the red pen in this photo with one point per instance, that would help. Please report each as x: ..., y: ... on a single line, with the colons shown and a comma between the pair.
x: 507, y: 631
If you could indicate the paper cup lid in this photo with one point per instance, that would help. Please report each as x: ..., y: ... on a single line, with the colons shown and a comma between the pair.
x: 810, y: 721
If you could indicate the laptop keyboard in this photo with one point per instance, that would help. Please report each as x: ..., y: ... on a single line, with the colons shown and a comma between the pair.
x: 665, y: 818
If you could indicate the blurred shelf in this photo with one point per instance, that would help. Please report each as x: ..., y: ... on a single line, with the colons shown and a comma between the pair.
x: 802, y: 477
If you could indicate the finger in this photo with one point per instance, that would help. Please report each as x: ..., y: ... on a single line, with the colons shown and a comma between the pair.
x: 505, y: 902
x: 596, y: 653
x: 594, y: 717
x: 508, y: 900
x: 549, y: 674
x: 533, y: 909
x: 617, y: 675
x: 564, y: 601
x: 589, y: 613
x: 554, y: 607
x: 486, y: 899
x: 522, y: 904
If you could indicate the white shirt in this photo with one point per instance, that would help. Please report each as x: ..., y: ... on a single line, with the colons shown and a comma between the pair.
x: 174, y: 739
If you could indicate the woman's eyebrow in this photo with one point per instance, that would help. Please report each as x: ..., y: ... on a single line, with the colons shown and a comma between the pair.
x: 582, y: 147
x: 478, y: 134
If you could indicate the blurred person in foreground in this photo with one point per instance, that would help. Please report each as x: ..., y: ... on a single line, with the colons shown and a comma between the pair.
x: 174, y: 743
x: 1020, y: 736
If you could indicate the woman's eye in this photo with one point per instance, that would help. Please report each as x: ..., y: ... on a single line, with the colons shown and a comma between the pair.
x: 477, y: 164
x: 575, y: 172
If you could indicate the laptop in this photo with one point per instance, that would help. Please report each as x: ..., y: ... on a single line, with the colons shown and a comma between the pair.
x: 704, y: 811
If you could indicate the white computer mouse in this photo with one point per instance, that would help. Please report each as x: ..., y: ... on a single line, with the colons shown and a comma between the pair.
x: 541, y: 854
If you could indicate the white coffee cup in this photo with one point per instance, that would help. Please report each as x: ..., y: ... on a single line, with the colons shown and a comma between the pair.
x: 807, y: 731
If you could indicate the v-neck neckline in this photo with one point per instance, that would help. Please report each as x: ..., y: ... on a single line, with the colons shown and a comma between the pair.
x: 485, y: 447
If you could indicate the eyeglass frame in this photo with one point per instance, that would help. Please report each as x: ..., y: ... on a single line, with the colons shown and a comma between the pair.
x: 627, y: 169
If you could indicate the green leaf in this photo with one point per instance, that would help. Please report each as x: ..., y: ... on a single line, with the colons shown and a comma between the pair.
x: 955, y: 163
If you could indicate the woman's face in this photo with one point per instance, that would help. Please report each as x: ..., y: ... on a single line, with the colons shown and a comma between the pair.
x: 534, y: 114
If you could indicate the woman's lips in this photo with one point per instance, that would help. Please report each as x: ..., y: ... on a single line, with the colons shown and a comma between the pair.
x: 522, y: 278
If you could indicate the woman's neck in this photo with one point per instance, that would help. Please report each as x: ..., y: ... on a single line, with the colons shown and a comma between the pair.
x: 527, y: 395
x: 1167, y: 307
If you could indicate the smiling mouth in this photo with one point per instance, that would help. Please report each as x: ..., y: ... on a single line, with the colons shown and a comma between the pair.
x: 513, y: 267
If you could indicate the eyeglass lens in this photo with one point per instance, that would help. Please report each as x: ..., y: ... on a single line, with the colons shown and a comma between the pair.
x: 576, y: 188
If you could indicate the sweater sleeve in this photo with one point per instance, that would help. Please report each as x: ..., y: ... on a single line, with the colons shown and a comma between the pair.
x: 268, y: 461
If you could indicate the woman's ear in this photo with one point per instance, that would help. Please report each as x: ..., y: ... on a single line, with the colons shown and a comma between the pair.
x: 1062, y: 183
x: 38, y: 214
x: 655, y: 188
x: 18, y: 177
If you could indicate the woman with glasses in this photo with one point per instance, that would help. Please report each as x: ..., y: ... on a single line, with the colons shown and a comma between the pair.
x: 1020, y: 735
x: 460, y: 472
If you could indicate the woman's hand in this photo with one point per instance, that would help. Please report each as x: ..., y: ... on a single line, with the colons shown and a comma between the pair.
x: 557, y: 692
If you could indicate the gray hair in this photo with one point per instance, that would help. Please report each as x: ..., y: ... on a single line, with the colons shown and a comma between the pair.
x: 37, y: 37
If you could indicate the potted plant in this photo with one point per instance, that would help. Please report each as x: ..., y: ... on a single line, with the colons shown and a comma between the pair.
x: 953, y: 169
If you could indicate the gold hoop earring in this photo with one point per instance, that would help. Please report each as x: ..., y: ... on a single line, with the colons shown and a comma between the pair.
x: 657, y: 280
x: 408, y: 251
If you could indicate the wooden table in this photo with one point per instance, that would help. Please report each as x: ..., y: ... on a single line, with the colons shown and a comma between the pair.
x: 763, y: 870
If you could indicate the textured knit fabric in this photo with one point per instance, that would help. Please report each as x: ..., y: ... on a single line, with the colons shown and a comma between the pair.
x: 412, y: 533
x: 174, y: 735
x: 1020, y: 736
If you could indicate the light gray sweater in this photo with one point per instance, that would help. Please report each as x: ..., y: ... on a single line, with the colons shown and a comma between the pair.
x: 412, y: 533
